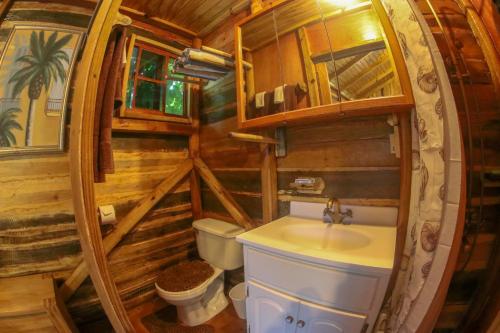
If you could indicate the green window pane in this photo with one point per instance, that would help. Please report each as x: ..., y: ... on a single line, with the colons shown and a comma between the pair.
x: 175, y: 98
x: 151, y: 65
x: 149, y: 95
x: 130, y: 83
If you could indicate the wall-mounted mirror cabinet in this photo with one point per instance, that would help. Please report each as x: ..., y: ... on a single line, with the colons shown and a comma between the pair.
x: 314, y: 59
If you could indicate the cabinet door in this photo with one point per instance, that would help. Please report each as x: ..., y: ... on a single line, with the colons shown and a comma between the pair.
x: 318, y: 319
x: 269, y: 311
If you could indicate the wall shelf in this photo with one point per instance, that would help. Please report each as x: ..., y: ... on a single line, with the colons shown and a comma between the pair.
x: 344, y: 201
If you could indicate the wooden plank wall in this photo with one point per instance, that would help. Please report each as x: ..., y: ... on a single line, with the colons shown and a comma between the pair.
x: 353, y: 156
x: 37, y: 227
x: 162, y: 238
x: 236, y: 164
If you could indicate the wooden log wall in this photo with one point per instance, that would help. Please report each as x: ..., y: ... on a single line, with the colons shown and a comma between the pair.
x: 37, y: 226
x: 162, y: 238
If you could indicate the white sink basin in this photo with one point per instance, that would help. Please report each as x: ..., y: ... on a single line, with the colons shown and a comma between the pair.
x: 313, y: 240
x: 324, y: 236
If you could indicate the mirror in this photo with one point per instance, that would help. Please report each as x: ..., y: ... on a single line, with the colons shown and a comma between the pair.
x: 306, y: 54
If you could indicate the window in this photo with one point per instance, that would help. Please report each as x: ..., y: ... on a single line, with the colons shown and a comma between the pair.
x: 152, y: 88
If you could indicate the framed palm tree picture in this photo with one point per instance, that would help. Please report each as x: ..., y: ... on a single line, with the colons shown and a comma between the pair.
x: 35, y: 73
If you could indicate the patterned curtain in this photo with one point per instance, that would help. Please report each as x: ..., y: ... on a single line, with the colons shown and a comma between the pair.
x: 427, y: 192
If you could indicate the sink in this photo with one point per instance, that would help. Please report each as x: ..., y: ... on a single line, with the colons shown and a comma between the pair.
x: 337, y: 244
x: 324, y: 236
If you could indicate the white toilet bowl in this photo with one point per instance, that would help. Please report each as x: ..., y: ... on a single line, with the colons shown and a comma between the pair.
x: 216, y: 241
x: 200, y: 304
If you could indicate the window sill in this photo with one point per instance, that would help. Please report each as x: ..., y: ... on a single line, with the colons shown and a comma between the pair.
x: 151, y: 126
x: 136, y: 114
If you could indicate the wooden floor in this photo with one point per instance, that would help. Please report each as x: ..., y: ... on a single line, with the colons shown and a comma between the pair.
x: 152, y: 316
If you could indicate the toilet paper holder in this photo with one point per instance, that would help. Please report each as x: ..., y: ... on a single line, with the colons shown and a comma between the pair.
x: 107, y: 214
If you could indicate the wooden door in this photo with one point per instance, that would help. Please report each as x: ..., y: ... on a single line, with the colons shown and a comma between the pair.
x: 269, y: 311
x: 318, y: 319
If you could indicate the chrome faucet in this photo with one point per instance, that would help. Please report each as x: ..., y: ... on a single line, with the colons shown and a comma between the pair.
x: 335, y: 216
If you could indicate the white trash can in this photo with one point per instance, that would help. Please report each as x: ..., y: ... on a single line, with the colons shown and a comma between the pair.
x: 237, y: 295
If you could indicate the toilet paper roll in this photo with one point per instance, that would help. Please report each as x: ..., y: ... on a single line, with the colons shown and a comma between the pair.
x: 107, y: 214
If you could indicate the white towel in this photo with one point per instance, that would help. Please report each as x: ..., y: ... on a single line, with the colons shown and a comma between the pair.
x: 260, y: 100
x: 279, y: 94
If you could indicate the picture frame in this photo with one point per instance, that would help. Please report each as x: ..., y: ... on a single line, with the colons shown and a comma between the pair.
x: 36, y: 67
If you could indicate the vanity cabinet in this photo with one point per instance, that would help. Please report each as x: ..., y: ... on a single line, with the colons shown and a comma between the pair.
x: 269, y: 311
x: 290, y: 294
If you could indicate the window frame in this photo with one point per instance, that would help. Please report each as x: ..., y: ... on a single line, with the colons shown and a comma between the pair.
x: 168, y: 52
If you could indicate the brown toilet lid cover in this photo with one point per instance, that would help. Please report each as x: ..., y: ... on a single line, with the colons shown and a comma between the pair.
x: 184, y: 275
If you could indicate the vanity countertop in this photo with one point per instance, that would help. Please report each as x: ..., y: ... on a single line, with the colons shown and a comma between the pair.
x: 347, y: 246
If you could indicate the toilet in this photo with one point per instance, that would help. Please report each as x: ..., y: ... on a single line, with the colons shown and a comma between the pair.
x: 216, y: 242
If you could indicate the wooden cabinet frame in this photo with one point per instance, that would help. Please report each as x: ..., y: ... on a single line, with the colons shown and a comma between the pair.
x: 364, y: 107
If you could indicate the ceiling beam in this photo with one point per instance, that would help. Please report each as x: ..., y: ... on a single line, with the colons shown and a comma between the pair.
x: 349, y: 52
x: 154, y: 20
x: 358, y: 77
x: 336, y: 91
x: 372, y: 85
x: 348, y: 64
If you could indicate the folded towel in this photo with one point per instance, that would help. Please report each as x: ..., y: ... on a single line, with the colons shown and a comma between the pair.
x: 260, y: 100
x: 279, y: 94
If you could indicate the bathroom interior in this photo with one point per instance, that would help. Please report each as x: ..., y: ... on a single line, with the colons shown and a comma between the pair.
x: 250, y: 166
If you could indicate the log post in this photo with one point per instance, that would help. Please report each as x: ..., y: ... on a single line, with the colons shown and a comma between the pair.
x: 194, y: 144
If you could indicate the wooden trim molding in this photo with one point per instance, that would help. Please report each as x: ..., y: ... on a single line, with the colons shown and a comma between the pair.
x: 404, y: 194
x: 4, y: 8
x: 82, y: 179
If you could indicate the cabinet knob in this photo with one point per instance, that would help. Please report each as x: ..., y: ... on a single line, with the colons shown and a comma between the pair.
x: 289, y: 319
x: 301, y: 323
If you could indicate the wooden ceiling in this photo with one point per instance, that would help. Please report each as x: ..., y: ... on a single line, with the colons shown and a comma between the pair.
x: 197, y: 16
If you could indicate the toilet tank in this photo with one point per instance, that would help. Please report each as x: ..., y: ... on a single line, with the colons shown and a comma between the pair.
x: 216, y: 241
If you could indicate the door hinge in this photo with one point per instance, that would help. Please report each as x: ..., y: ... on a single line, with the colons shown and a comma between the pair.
x: 365, y: 328
x: 248, y: 292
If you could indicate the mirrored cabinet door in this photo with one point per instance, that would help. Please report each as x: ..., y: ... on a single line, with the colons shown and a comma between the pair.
x: 260, y: 49
x: 362, y: 65
x: 299, y: 26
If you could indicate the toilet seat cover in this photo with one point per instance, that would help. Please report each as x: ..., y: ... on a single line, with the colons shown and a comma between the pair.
x: 185, y: 276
